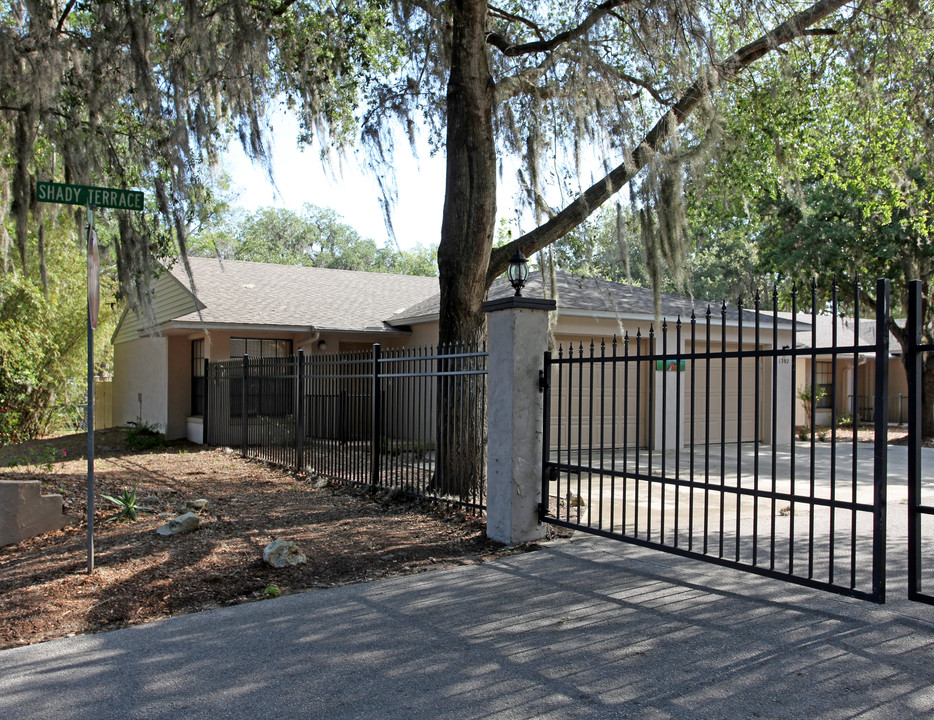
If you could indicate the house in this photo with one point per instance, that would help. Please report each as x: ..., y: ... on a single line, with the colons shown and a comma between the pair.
x: 264, y: 310
x: 845, y: 386
x: 237, y: 308
x: 594, y: 311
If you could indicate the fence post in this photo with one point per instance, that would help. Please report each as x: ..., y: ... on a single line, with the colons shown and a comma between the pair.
x: 518, y: 338
x: 206, y: 410
x: 300, y: 410
x: 376, y: 429
x: 913, y: 371
x: 880, y: 459
x: 244, y: 421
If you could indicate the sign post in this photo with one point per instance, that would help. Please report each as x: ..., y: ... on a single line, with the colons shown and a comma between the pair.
x: 91, y: 197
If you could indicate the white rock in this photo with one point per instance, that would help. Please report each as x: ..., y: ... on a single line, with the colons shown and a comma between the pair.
x: 283, y: 553
x: 197, y: 506
x: 182, y: 524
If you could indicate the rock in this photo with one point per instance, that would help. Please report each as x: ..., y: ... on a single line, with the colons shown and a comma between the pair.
x: 319, y: 482
x: 182, y: 524
x: 197, y: 506
x: 283, y: 553
x: 576, y: 500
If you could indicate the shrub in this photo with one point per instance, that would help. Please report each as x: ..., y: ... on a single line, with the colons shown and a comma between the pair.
x: 127, y: 505
x: 43, y: 363
x: 143, y: 436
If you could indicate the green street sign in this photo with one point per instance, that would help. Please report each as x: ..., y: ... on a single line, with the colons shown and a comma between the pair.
x: 89, y: 195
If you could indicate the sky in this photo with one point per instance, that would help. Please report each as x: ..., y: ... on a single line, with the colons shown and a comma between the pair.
x: 300, y: 178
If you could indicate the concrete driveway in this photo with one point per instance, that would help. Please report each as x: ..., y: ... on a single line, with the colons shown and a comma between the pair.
x: 586, y: 628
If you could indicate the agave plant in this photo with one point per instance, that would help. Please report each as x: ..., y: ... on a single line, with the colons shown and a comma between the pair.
x: 127, y: 504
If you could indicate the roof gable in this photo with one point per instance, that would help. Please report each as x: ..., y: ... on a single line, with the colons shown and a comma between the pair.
x: 170, y: 299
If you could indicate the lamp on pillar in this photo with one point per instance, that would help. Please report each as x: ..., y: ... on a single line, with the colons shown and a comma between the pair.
x: 518, y: 271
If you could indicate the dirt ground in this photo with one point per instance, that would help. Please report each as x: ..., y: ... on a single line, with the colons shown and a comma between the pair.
x: 140, y: 576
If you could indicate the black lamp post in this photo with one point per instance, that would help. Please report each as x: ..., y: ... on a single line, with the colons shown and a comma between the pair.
x: 518, y: 271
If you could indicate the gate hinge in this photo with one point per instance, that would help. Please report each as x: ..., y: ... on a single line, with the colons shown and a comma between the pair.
x: 542, y: 382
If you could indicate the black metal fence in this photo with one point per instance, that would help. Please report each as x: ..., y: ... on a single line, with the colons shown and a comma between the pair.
x: 863, y: 408
x: 920, y: 513
x: 687, y: 440
x: 366, y: 417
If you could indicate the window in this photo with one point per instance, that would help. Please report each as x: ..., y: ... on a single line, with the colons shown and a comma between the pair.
x: 267, y: 393
x: 197, y: 377
x: 260, y: 348
x: 823, y: 377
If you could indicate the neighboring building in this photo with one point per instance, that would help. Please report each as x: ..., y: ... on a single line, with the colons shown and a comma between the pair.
x: 849, y: 383
x: 273, y: 310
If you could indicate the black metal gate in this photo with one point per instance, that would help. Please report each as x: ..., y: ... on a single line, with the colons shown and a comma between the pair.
x: 724, y: 472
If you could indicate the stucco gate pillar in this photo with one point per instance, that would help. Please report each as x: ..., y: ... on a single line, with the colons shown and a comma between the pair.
x: 518, y: 338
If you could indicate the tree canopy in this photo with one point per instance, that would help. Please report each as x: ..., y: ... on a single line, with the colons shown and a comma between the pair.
x: 587, y: 99
x: 315, y: 237
x: 826, y: 167
x: 146, y: 95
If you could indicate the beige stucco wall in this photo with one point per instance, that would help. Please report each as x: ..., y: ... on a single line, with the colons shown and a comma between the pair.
x: 141, y: 368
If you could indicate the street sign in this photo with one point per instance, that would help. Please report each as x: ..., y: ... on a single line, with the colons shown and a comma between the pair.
x: 89, y: 195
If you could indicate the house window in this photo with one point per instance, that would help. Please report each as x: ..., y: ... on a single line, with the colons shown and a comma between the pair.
x: 197, y: 377
x: 260, y: 348
x: 823, y: 377
x: 268, y: 393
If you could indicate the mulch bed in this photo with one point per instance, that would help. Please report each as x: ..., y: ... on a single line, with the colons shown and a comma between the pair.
x: 140, y: 576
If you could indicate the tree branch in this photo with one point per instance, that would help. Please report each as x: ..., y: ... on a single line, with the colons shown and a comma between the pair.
x: 598, y: 193
x: 500, y: 13
x: 65, y: 13
x: 523, y: 82
x: 510, y: 49
x: 433, y: 11
x: 277, y: 10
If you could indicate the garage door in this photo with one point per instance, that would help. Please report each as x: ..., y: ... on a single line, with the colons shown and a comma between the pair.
x: 719, y: 400
x: 601, y: 403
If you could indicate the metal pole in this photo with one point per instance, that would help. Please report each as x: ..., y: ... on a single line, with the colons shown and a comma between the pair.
x: 90, y: 412
x: 913, y: 368
x: 880, y: 455
x: 300, y: 410
x: 206, y: 403
x: 244, y: 396
x: 375, y: 420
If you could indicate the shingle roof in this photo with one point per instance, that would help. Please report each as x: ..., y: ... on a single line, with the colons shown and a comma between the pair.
x: 250, y: 293
x: 578, y: 295
x: 846, y: 331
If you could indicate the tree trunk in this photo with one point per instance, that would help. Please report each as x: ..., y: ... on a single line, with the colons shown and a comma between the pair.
x: 467, y: 230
